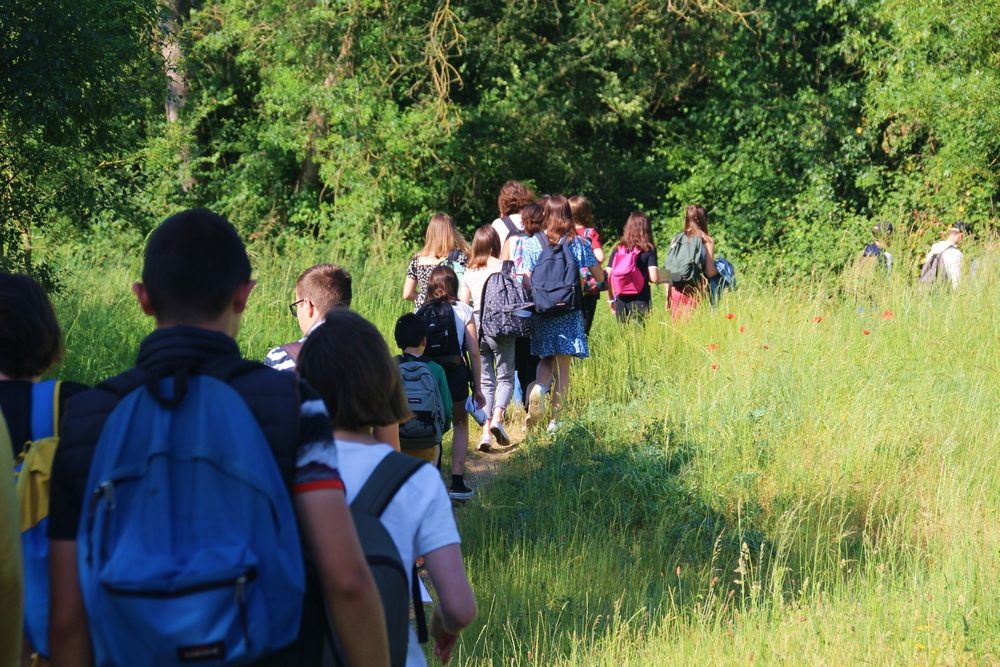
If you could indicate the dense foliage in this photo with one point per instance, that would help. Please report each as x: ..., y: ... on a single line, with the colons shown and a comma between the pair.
x: 796, y: 122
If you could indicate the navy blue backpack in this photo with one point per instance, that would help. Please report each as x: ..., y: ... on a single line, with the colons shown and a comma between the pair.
x: 188, y: 549
x: 555, y: 280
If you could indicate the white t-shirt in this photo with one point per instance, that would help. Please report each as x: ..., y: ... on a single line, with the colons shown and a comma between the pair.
x: 419, y: 518
x: 951, y: 260
x: 501, y: 228
x: 463, y: 315
x: 474, y: 279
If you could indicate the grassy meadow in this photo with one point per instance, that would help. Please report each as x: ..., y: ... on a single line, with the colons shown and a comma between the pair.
x: 798, y: 476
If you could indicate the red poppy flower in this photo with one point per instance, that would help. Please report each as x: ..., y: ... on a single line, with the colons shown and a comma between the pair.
x: 743, y: 328
x: 715, y: 367
x: 817, y: 319
x: 866, y: 331
x: 731, y: 316
x: 887, y: 314
x: 712, y: 347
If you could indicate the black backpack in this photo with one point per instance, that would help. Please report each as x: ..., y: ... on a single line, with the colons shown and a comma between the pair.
x: 503, y: 308
x: 442, y: 334
x: 383, y: 557
x: 555, y: 281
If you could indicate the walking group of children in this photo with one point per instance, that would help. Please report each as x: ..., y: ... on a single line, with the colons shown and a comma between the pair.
x: 515, y: 307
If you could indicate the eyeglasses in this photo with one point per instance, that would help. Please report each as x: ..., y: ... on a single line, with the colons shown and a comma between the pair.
x: 293, y: 307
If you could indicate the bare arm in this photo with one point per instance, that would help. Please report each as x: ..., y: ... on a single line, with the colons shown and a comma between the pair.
x: 599, y: 254
x: 69, y: 638
x: 409, y: 289
x: 472, y: 339
x: 348, y: 588
x: 457, y: 608
x: 654, y: 275
x: 505, y: 251
x: 465, y: 294
x: 710, y: 270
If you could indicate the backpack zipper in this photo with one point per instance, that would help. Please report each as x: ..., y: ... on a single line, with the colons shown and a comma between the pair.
x: 238, y: 583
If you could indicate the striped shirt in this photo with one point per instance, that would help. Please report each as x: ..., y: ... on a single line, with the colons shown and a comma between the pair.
x: 279, y: 359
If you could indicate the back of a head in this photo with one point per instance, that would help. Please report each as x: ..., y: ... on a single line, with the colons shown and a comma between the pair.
x: 531, y: 218
x: 513, y: 197
x: 326, y: 285
x: 347, y: 345
x: 695, y: 221
x: 638, y: 233
x: 583, y: 215
x: 194, y: 263
x: 410, y: 331
x: 30, y: 339
x: 557, y: 219
x: 485, y: 244
x: 442, y: 237
x: 442, y: 284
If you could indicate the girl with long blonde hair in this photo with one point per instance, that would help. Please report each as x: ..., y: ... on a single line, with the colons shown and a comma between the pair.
x: 443, y: 244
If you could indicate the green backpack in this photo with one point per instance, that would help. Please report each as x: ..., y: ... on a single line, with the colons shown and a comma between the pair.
x: 686, y: 260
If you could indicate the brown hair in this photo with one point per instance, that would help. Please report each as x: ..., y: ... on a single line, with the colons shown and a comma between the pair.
x: 531, y: 218
x: 485, y: 244
x: 442, y: 285
x: 696, y: 221
x: 326, y: 285
x: 442, y: 237
x: 514, y: 195
x: 638, y: 232
x: 557, y: 219
x: 349, y: 346
x: 583, y: 215
x: 30, y: 339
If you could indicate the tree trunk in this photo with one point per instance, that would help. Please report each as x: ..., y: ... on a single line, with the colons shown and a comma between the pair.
x: 175, y: 13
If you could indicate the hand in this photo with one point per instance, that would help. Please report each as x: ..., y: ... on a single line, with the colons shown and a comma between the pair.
x: 480, y: 399
x: 444, y: 641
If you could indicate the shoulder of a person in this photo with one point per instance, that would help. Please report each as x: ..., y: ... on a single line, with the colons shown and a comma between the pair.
x: 463, y: 308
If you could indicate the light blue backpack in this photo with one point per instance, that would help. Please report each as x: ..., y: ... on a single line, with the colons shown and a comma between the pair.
x: 188, y: 550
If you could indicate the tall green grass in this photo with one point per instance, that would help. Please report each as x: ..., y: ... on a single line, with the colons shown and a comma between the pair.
x: 775, y: 487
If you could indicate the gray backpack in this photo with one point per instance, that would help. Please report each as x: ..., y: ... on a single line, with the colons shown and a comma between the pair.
x: 504, y: 307
x: 386, y: 565
x: 932, y: 268
x: 423, y: 397
x: 685, y: 260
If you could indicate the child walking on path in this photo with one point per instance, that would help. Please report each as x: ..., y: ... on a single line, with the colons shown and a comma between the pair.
x: 556, y: 337
x: 633, y: 268
x: 419, y: 517
x: 583, y: 221
x: 451, y: 332
x: 497, y: 353
x: 688, y: 276
x: 411, y: 338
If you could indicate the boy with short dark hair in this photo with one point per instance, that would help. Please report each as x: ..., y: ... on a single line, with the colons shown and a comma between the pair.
x: 411, y: 337
x: 196, y: 281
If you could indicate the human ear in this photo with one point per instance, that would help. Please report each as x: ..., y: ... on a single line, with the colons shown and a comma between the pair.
x: 142, y: 296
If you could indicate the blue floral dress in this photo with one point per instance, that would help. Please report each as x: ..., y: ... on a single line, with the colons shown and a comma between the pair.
x: 558, y: 334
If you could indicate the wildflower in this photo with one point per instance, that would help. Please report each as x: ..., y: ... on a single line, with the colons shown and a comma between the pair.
x: 712, y: 347
x: 866, y: 331
x: 887, y: 314
x: 817, y: 319
x: 715, y: 367
x: 731, y: 316
x: 743, y: 328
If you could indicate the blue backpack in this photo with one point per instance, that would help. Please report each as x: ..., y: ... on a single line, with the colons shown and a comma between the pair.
x: 188, y: 548
x: 555, y: 280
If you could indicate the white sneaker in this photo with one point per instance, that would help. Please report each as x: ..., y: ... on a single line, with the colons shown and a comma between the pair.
x: 500, y: 433
x: 536, y: 404
x: 553, y: 427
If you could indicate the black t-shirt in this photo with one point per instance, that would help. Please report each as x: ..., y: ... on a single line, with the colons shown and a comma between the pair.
x: 15, y: 403
x: 642, y: 262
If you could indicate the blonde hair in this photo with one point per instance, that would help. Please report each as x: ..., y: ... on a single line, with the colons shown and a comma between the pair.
x: 442, y: 237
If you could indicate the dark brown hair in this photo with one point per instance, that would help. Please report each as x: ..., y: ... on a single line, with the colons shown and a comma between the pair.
x: 557, y: 219
x: 30, y: 339
x: 347, y: 361
x: 326, y: 285
x: 638, y: 233
x: 583, y: 215
x: 513, y: 197
x: 485, y: 244
x: 696, y: 221
x: 531, y: 217
x: 442, y: 285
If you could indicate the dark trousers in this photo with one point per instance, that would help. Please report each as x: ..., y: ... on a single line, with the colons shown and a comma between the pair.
x: 631, y: 310
x: 525, y: 364
x: 589, y: 307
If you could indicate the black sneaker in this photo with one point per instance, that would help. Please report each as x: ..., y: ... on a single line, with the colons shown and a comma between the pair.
x: 459, y: 491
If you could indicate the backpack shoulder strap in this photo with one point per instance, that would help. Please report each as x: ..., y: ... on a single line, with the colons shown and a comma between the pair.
x: 45, y: 409
x: 511, y: 227
x: 384, y: 482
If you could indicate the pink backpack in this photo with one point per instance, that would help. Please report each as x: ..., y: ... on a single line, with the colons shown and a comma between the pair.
x: 626, y: 278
